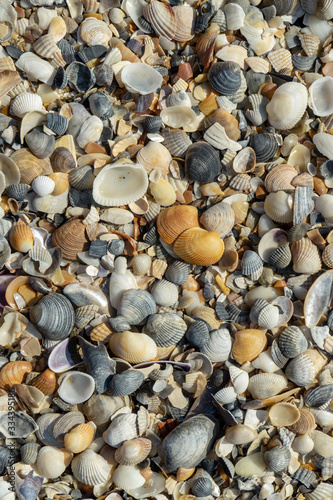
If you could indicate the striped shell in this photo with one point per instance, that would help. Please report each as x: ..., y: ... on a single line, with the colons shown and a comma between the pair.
x: 279, y: 178
x: 305, y: 256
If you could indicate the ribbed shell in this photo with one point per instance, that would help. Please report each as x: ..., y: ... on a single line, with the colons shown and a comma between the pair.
x: 280, y: 257
x: 252, y: 265
x: 178, y: 272
x: 84, y: 314
x: 136, y: 305
x: 305, y: 424
x: 219, y: 218
x: 300, y: 370
x: 225, y: 77
x: 319, y: 396
x: 71, y: 238
x: 125, y: 383
x: 305, y: 256
x: 165, y: 329
x: 287, y: 105
x: 278, y: 207
x: 122, y: 428
x: 46, y: 382
x: 29, y: 453
x: 292, y: 342
x: 200, y: 247
x: 277, y: 459
x: 218, y: 347
x: 21, y: 237
x: 53, y: 316
x: 133, y: 452
x: 248, y: 345
x: 279, y: 178
x: 327, y: 255
x: 13, y: 373
x: 266, y: 385
x: 57, y: 123
x: 17, y: 191
x: 90, y: 468
x: 202, y: 162
x: 133, y: 347
x: 162, y: 18
x: 79, y: 438
x: 264, y: 146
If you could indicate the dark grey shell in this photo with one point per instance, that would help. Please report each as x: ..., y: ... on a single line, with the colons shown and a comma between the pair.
x: 53, y: 316
x: 236, y: 314
x: 57, y: 123
x: 100, y: 105
x: 98, y: 364
x: 178, y: 272
x: 17, y: 191
x: 93, y: 52
x: 198, y: 333
x: 80, y: 76
x: 305, y: 476
x: 125, y: 383
x: 280, y: 257
x: 277, y: 356
x: 60, y: 80
x: 104, y: 75
x: 165, y: 329
x: 319, y: 396
x: 152, y: 124
x: 292, y: 342
x: 202, y: 486
x: 278, y: 458
x: 19, y: 425
x: 221, y: 311
x: 297, y: 232
x: 189, y: 443
x: 227, y: 466
x: 300, y: 370
x: 30, y: 487
x: 67, y: 51
x: 98, y: 248
x: 205, y: 12
x: 202, y: 162
x: 29, y: 452
x: 66, y: 423
x: 264, y: 145
x: 303, y: 63
x: 40, y: 144
x: 62, y: 160
x: 6, y: 458
x: 136, y: 305
x: 225, y: 77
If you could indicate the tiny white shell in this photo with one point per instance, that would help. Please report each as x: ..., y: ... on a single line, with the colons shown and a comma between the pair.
x: 43, y: 185
x: 26, y: 102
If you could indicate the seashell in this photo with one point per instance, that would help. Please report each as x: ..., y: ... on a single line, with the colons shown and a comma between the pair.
x: 281, y: 60
x: 29, y: 452
x: 126, y: 475
x: 165, y: 329
x: 125, y: 383
x: 253, y: 464
x: 178, y: 116
x: 81, y: 178
x: 185, y: 21
x: 173, y: 221
x: 318, y: 89
x: 202, y: 162
x: 278, y: 206
x: 324, y: 144
x: 133, y: 347
x: 99, y: 408
x: 180, y: 98
x: 44, y: 434
x: 303, y: 204
x: 252, y: 265
x: 46, y: 46
x: 305, y: 256
x: 164, y: 293
x: 129, y: 181
x: 258, y: 113
x: 278, y: 458
x: 133, y: 452
x: 218, y: 346
x: 122, y: 428
x: 100, y: 105
x: 52, y: 462
x: 327, y: 256
x: 84, y: 314
x: 17, y: 191
x: 35, y: 68
x: 292, y: 342
x: 90, y: 131
x: 248, y: 345
x: 29, y: 165
x: 264, y: 146
x: 294, y: 98
x: 198, y: 246
x: 23, y: 425
x: 140, y: 78
x: 71, y: 238
x: 268, y: 317
x: 178, y: 272
x: 64, y: 423
x: 24, y: 103
x: 206, y: 45
x: 226, y: 395
x: 76, y: 387
x: 322, y: 443
x: 79, y: 438
x: 154, y: 155
x: 162, y: 19
x: 163, y: 192
x: 300, y: 370
x: 305, y: 424
x: 53, y: 316
x: 322, y: 491
x: 43, y: 185
x: 280, y: 257
x: 217, y: 137
x: 319, y: 396
x: 80, y: 76
x: 21, y: 237
x: 45, y: 382
x: 98, y: 364
x: 174, y: 449
x: 95, y: 32
x: 303, y: 63
x: 57, y: 123
x: 57, y: 28
x: 279, y: 178
x: 239, y: 379
x: 283, y: 414
x: 226, y: 120
x: 90, y: 468
x: 136, y: 305
x: 266, y: 385
x: 225, y: 77
x: 240, y: 434
x: 303, y: 444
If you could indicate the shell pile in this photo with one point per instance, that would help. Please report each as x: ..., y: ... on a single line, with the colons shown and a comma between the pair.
x: 166, y: 249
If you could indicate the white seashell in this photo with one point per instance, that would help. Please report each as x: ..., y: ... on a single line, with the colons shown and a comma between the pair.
x: 265, y: 362
x: 287, y: 105
x: 324, y: 205
x: 217, y: 137
x: 226, y: 395
x: 122, y: 428
x: 303, y: 444
x: 239, y: 379
x: 52, y: 461
x: 24, y: 103
x: 95, y: 32
x: 321, y: 96
x: 235, y: 16
x: 43, y: 185
x: 121, y: 280
x: 233, y: 53
x: 178, y: 116
x: 324, y: 144
x: 180, y: 98
x: 324, y: 491
x: 36, y: 68
x: 265, y: 385
x: 51, y: 204
x: 90, y: 131
x: 165, y: 293
x: 90, y: 468
x: 128, y: 477
x: 323, y: 444
x: 76, y: 387
x: 141, y: 78
x: 258, y: 113
x: 45, y: 16
x: 268, y: 317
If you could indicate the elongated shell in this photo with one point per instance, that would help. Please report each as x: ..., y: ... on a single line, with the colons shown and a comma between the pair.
x: 248, y: 345
x: 79, y: 438
x: 219, y: 218
x: 305, y: 256
x: 133, y: 347
x: 173, y: 221
x: 287, y: 105
x: 90, y: 468
x: 200, y: 247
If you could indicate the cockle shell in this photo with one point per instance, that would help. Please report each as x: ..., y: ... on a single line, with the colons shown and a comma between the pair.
x: 162, y: 18
x: 95, y: 32
x: 173, y: 221
x: 154, y: 155
x: 165, y: 329
x: 300, y: 370
x: 198, y: 246
x: 305, y: 256
x: 43, y: 185
x: 52, y: 462
x: 292, y: 342
x: 133, y: 452
x: 46, y: 382
x: 225, y: 77
x: 127, y: 477
x: 248, y: 345
x: 287, y: 105
x: 133, y: 347
x: 324, y: 144
x: 277, y: 458
x: 266, y: 385
x: 202, y: 162
x: 24, y: 103
x: 218, y: 346
x: 13, y: 373
x: 71, y: 238
x: 321, y: 96
x: 30, y: 166
x: 305, y: 424
x: 90, y: 468
x: 279, y: 178
x: 278, y: 206
x: 303, y: 444
x: 79, y: 438
x: 21, y: 237
x: 122, y: 428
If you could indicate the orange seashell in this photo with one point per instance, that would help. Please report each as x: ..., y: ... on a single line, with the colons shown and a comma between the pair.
x: 21, y: 237
x: 71, y: 237
x: 46, y: 382
x: 13, y: 288
x: 183, y: 474
x: 13, y: 373
x: 227, y: 120
x: 205, y: 46
x: 172, y: 221
x: 198, y: 246
x: 79, y: 438
x: 248, y: 345
x: 61, y: 182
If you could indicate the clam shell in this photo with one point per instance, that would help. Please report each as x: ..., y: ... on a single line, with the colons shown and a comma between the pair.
x: 225, y: 77
x: 164, y: 293
x: 90, y: 468
x: 21, y: 237
x: 186, y: 17
x: 136, y: 305
x: 292, y: 342
x: 218, y: 346
x: 300, y: 370
x: 71, y: 238
x: 141, y: 78
x: 198, y: 246
x: 100, y: 105
x: 252, y: 265
x: 154, y: 155
x: 321, y: 96
x: 264, y: 146
x: 239, y: 379
x: 133, y: 347
x: 125, y: 383
x: 178, y: 272
x: 244, y: 161
x: 173, y: 221
x: 100, y: 407
x: 125, y: 473
x: 84, y: 314
x: 76, y: 387
x: 24, y: 103
x: 226, y: 120
x: 319, y: 396
x: 303, y: 444
x: 327, y: 255
x: 80, y: 76
x: 162, y: 19
x: 226, y: 395
x: 283, y: 414
x: 165, y: 329
x: 44, y: 434
x: 305, y: 256
x: 95, y: 32
x: 178, y: 116
x: 52, y: 462
x: 266, y: 385
x: 36, y: 68
x: 64, y: 423
x: 53, y: 316
x: 322, y: 444
x: 23, y: 424
x: 279, y: 178
x: 240, y: 434
x: 202, y: 162
x: 29, y: 452
x: 305, y: 424
x: 176, y: 141
x: 248, y: 345
x: 205, y: 46
x: 217, y: 137
x: 82, y: 177
x: 30, y: 166
x: 79, y: 438
x: 280, y: 257
x: 324, y: 144
x: 289, y: 96
x: 43, y: 185
x: 133, y: 452
x: 278, y: 458
x: 278, y: 206
x: 122, y: 428
x: 253, y: 464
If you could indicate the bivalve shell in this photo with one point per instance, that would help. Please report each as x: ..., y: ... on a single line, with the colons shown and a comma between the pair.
x: 71, y: 238
x: 240, y: 434
x: 53, y: 316
x: 287, y: 105
x: 202, y: 162
x: 305, y: 256
x: 283, y: 414
x: 219, y: 218
x: 133, y: 347
x: 90, y: 468
x: 292, y: 342
x: 76, y: 387
x: 198, y: 246
x: 301, y: 370
x: 133, y: 452
x: 52, y: 462
x: 266, y: 385
x: 278, y: 458
x: 248, y: 345
x: 79, y: 438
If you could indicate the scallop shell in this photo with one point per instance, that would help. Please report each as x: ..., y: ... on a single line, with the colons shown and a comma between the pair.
x: 90, y: 468
x: 24, y: 103
x: 279, y: 178
x: 95, y: 32
x: 278, y: 206
x: 305, y: 256
x: 283, y: 414
x: 13, y: 373
x: 21, y: 237
x: 252, y: 265
x: 202, y: 162
x: 141, y: 78
x: 266, y: 385
x: 198, y: 246
x: 52, y: 462
x: 248, y: 345
x: 301, y: 370
x: 291, y: 97
x: 133, y: 347
x: 76, y: 387
x: 53, y: 316
x: 71, y: 238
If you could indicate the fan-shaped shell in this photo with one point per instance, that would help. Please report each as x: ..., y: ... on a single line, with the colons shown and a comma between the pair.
x: 95, y: 32
x: 154, y: 155
x: 279, y: 178
x: 300, y: 370
x: 165, y: 329
x: 52, y: 462
x: 133, y: 452
x: 125, y: 383
x: 264, y: 146
x: 287, y: 105
x: 219, y: 218
x: 46, y: 382
x: 164, y: 293
x: 90, y: 468
x: 324, y: 144
x: 305, y: 256
x: 30, y: 166
x: 122, y: 428
x: 174, y: 220
x: 53, y: 316
x: 136, y: 305
x: 218, y: 347
x: 21, y: 237
x: 13, y: 373
x: 278, y: 206
x: 248, y: 345
x: 277, y: 459
x: 24, y: 103
x: 71, y: 238
x: 79, y: 438
x: 43, y: 185
x: 252, y: 265
x: 292, y: 342
x: 305, y: 424
x: 178, y: 272
x: 225, y: 77
x: 133, y: 347
x: 198, y: 246
x: 266, y: 385
x: 127, y: 477
x: 186, y: 17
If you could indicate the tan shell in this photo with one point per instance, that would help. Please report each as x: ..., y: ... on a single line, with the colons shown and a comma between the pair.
x: 13, y: 373
x: 133, y: 452
x: 185, y: 20
x: 240, y: 434
x: 227, y: 120
x: 278, y: 207
x: 61, y: 182
x: 71, y: 237
x: 266, y: 385
x: 79, y: 438
x: 173, y: 221
x: 283, y: 414
x: 281, y: 60
x: 162, y: 18
x: 101, y: 333
x: 163, y: 192
x: 248, y: 345
x: 46, y: 46
x: 327, y: 256
x: 21, y: 237
x: 95, y: 32
x: 279, y: 178
x: 305, y: 257
x: 219, y: 218
x: 154, y: 155
x: 30, y: 166
x: 133, y: 347
x: 206, y: 45
x: 305, y: 424
x: 200, y: 247
x: 46, y: 382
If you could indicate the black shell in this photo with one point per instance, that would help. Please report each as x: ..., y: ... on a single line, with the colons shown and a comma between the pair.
x: 40, y: 144
x: 205, y: 13
x: 104, y: 75
x: 264, y: 145
x: 202, y: 486
x: 98, y: 363
x: 225, y: 77
x: 125, y: 383
x: 60, y: 79
x: 67, y: 51
x: 17, y: 191
x: 202, y: 162
x: 53, y: 316
x: 57, y: 123
x: 80, y: 76
x: 198, y: 333
x: 100, y: 105
x: 153, y: 124
x: 93, y: 52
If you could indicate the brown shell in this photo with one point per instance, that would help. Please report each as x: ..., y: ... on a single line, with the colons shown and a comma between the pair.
x: 200, y: 247
x: 172, y: 221
x: 305, y: 424
x: 46, y: 382
x: 227, y: 120
x: 21, y: 237
x: 13, y: 373
x: 101, y: 333
x: 248, y: 345
x: 62, y: 160
x: 30, y: 166
x: 71, y: 237
x: 162, y: 18
x: 205, y: 47
x: 280, y: 178
x: 61, y: 182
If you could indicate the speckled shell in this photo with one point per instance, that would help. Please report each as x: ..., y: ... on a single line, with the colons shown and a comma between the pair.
x: 198, y: 246
x: 305, y: 256
x: 248, y: 345
x: 53, y: 316
x: 173, y: 221
x: 71, y: 238
x: 13, y: 373
x: 219, y: 218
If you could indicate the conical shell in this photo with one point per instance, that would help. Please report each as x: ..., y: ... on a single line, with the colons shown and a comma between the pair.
x: 133, y: 452
x: 200, y: 247
x: 248, y: 345
x: 266, y: 385
x: 13, y: 373
x: 287, y: 105
x: 133, y: 347
x: 90, y: 468
x: 219, y: 218
x: 21, y: 237
x: 71, y: 238
x: 305, y: 256
x: 173, y: 221
x: 79, y: 438
x: 46, y: 382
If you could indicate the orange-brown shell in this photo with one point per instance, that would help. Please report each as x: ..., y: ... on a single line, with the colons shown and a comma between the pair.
x: 30, y: 166
x: 248, y: 345
x: 198, y: 246
x: 227, y: 120
x: 280, y: 178
x: 46, y: 382
x: 71, y: 237
x: 13, y: 373
x: 205, y: 47
x: 305, y: 424
x: 79, y: 438
x: 174, y: 220
x: 21, y: 237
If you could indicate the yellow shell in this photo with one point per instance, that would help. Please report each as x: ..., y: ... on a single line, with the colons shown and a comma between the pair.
x: 248, y: 345
x: 200, y: 247
x: 46, y: 382
x: 61, y: 182
x: 21, y: 237
x: 79, y: 438
x: 13, y: 373
x: 173, y: 221
x: 133, y: 347
x: 163, y: 192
